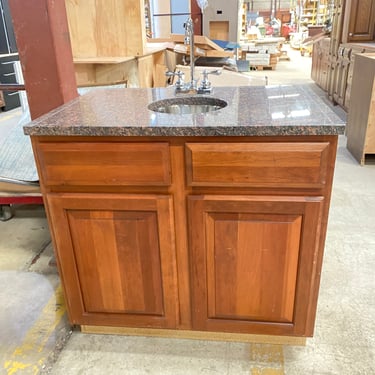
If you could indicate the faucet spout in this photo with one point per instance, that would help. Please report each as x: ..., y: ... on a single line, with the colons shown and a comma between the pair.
x: 189, y: 40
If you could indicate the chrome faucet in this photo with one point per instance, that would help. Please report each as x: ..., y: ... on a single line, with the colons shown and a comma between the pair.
x: 191, y: 87
x: 189, y: 40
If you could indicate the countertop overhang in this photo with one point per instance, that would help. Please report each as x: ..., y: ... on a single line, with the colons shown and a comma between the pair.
x: 284, y: 110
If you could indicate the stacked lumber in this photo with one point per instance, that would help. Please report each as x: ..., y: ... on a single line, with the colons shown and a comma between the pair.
x: 203, y: 47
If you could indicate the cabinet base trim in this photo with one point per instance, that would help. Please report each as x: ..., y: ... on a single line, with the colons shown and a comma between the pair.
x: 195, y: 335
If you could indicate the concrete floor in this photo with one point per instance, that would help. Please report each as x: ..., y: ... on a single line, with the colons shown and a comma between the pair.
x: 36, y: 338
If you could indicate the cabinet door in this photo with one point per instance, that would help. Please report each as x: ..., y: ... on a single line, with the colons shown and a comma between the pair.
x: 253, y: 262
x: 117, y: 258
x: 362, y: 19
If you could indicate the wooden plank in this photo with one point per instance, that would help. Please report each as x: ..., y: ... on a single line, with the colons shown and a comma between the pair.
x: 214, y: 53
x: 82, y: 23
x: 145, y: 71
x: 370, y: 138
x: 85, y: 74
x: 102, y: 60
x: 160, y: 79
x: 106, y: 74
x: 198, y: 39
x: 106, y: 28
x: 196, y: 335
x: 219, y: 30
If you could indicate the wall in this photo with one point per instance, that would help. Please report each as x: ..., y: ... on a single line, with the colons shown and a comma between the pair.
x: 222, y: 10
x: 256, y: 5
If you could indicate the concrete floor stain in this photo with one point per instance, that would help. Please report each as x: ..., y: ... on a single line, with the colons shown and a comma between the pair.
x: 30, y: 356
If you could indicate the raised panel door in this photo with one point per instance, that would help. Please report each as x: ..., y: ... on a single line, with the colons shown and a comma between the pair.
x: 253, y: 262
x: 117, y: 258
x: 362, y: 20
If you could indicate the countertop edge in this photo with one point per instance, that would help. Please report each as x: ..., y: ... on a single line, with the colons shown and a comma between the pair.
x: 188, y: 131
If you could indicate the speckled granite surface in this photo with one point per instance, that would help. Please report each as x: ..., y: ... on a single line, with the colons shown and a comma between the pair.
x: 262, y: 111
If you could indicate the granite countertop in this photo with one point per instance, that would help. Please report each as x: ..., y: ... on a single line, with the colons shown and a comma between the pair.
x: 252, y: 110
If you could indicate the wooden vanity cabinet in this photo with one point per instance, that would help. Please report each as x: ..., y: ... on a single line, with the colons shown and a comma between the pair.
x: 222, y: 234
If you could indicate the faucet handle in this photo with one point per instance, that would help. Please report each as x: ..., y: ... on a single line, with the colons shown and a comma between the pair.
x: 180, y: 81
x: 205, y: 85
x: 206, y: 72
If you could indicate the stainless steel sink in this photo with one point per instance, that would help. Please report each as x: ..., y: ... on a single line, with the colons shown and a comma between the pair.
x: 187, y: 105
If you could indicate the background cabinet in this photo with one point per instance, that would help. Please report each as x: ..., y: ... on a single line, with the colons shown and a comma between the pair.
x: 7, y: 38
x: 359, y: 21
x: 353, y: 32
x: 8, y: 74
x: 361, y: 117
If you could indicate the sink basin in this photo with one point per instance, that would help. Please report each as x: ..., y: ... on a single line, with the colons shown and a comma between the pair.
x: 187, y: 105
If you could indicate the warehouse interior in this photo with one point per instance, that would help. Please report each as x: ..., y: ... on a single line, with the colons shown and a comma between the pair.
x: 328, y: 45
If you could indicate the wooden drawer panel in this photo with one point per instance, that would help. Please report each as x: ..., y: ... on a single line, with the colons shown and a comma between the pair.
x: 283, y: 164
x: 86, y: 163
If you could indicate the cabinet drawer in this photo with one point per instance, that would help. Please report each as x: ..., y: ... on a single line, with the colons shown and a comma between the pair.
x: 105, y: 163
x: 284, y: 164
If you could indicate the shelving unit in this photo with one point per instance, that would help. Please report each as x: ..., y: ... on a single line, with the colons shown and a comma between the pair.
x: 311, y: 12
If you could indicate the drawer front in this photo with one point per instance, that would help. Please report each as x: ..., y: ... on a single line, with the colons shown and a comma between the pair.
x: 104, y: 164
x: 284, y: 164
x: 7, y: 71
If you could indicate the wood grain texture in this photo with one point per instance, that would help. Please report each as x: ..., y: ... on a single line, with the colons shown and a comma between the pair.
x: 102, y: 28
x: 215, y: 246
x: 360, y: 16
x: 118, y: 257
x: 257, y: 164
x: 245, y: 252
x: 83, y: 163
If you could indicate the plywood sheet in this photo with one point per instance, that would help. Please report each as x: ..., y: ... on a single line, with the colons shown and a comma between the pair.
x: 199, y: 40
x: 219, y: 30
x: 101, y: 28
x: 370, y: 138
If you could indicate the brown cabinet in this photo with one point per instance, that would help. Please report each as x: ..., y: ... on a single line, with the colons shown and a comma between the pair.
x: 353, y: 32
x: 218, y: 234
x: 320, y: 63
x: 360, y: 129
x: 360, y: 20
x: 117, y: 257
x: 248, y: 255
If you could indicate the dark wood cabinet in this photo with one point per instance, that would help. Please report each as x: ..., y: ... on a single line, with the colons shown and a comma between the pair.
x: 360, y: 18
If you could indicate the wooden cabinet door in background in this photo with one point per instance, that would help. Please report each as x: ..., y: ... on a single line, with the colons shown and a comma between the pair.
x: 252, y: 263
x: 117, y: 258
x: 361, y: 21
